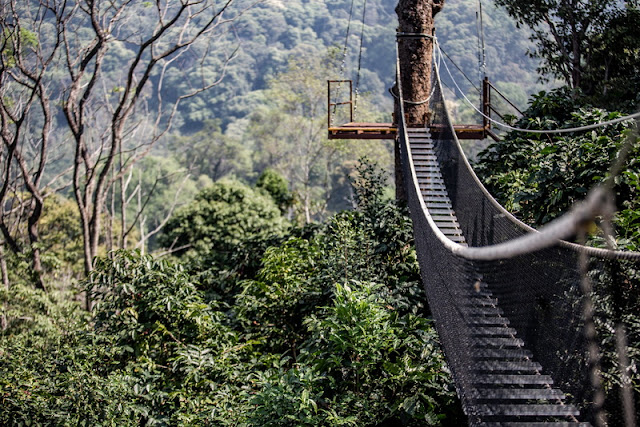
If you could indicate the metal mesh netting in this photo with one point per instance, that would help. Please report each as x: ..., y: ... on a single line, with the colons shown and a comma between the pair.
x: 539, y: 294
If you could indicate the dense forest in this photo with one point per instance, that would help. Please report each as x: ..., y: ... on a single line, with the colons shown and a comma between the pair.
x: 182, y: 245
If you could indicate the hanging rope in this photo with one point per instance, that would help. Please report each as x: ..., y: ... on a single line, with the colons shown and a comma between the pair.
x: 355, y: 102
x: 459, y: 69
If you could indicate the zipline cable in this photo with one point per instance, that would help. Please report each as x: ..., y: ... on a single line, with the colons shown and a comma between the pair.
x: 346, y: 41
x: 459, y: 69
x: 355, y: 102
x: 482, y: 59
x: 343, y: 65
x: 539, y: 131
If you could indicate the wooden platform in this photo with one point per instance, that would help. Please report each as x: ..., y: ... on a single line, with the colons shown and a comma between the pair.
x: 388, y: 131
x: 467, y: 132
x: 363, y: 131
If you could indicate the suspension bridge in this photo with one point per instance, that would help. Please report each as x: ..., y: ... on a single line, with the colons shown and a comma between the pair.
x: 513, y: 306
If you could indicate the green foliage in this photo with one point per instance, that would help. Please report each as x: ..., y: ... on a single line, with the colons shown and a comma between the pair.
x: 220, y: 218
x: 329, y: 330
x: 538, y: 177
x: 589, y: 44
x: 277, y: 187
x: 147, y: 306
x: 380, y: 366
x: 282, y: 295
x: 362, y: 364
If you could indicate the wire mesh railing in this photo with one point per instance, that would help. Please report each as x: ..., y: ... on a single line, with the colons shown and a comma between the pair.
x: 569, y: 330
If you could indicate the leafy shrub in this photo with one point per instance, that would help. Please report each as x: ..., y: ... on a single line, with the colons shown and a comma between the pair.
x: 220, y: 218
x: 362, y: 364
x: 538, y: 177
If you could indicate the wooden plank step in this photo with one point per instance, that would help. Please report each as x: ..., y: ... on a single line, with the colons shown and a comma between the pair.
x: 427, y: 167
x: 436, y: 198
x: 435, y: 193
x: 457, y: 239
x: 487, y: 311
x: 496, y: 342
x: 513, y: 379
x: 430, y: 179
x: 517, y: 394
x: 502, y: 366
x: 477, y: 302
x: 442, y: 213
x: 441, y: 200
x: 433, y: 186
x: 534, y: 424
x: 486, y: 298
x: 447, y: 225
x: 438, y: 204
x: 426, y: 176
x: 502, y: 354
x: 535, y: 410
x: 487, y: 321
x: 480, y: 293
x: 492, y: 331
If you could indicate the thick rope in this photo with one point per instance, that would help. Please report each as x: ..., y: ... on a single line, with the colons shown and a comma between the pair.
x: 597, y: 203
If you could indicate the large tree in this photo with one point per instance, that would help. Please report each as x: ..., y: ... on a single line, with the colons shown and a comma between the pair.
x: 26, y: 119
x: 580, y: 41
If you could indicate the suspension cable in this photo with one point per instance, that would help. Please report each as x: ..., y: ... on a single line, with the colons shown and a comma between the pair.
x: 343, y: 65
x: 346, y: 41
x: 482, y: 58
x: 459, y: 69
x: 538, y: 131
x: 355, y: 102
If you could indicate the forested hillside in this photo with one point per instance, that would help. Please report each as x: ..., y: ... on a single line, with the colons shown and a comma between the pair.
x: 182, y: 245
x: 128, y: 120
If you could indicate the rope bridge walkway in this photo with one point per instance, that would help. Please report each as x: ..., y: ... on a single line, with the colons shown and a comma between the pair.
x: 511, y: 305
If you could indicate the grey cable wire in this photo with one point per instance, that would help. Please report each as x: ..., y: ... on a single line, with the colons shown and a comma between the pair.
x: 539, y: 131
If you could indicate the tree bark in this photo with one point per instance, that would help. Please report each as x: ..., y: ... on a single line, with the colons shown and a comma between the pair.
x: 4, y: 323
x: 415, y: 50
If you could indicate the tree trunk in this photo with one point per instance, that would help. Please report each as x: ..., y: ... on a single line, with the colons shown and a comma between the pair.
x: 34, y: 239
x: 4, y: 324
x: 415, y: 49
